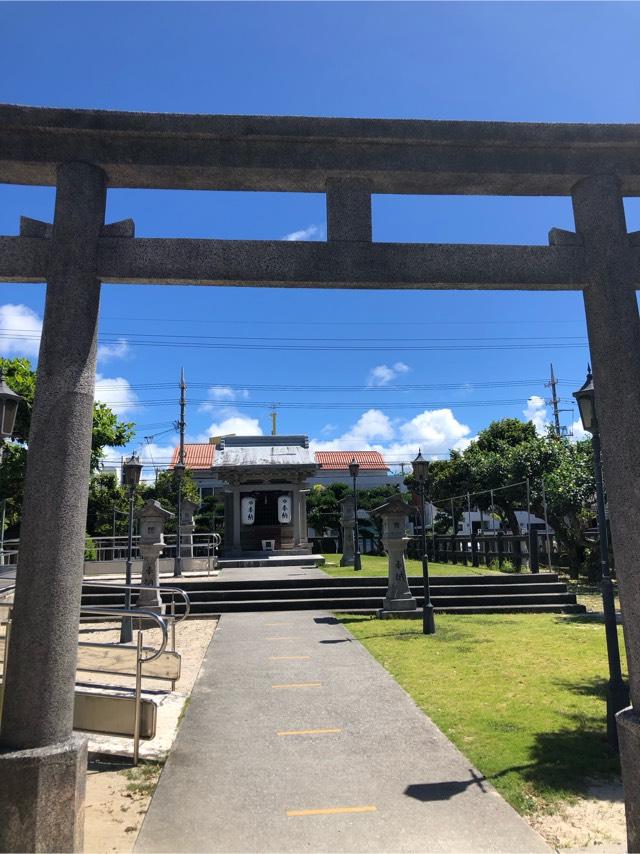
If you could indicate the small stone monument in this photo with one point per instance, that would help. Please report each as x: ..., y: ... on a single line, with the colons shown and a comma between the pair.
x: 395, y: 515
x: 187, y: 526
x: 152, y: 518
x: 347, y: 523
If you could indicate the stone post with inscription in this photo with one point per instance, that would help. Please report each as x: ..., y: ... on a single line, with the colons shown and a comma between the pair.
x: 187, y: 526
x: 395, y: 515
x: 151, y: 519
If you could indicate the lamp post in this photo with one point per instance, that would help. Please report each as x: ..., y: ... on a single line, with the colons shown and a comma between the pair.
x: 420, y: 469
x: 178, y: 468
x: 9, y: 401
x: 354, y: 468
x: 617, y: 691
x: 131, y: 470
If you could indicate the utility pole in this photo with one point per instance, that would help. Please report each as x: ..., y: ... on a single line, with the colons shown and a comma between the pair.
x: 274, y: 419
x: 553, y: 384
x: 177, y: 566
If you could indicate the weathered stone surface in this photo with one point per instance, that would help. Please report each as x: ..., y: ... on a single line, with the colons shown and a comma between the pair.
x: 613, y: 325
x: 629, y: 740
x: 348, y: 210
x: 38, y: 702
x: 291, y: 153
x: 42, y: 797
x: 395, y: 514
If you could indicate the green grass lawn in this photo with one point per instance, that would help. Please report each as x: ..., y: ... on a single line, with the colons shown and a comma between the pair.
x: 521, y: 695
x: 376, y: 566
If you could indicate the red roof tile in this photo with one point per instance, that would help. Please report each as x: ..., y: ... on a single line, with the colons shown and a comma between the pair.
x: 340, y: 459
x: 196, y: 455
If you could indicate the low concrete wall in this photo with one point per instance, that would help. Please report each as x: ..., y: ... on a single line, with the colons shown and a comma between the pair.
x: 117, y: 567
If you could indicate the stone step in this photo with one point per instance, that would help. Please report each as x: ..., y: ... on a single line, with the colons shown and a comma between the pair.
x: 338, y: 593
x: 358, y: 580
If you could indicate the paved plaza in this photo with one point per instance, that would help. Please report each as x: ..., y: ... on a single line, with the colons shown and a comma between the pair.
x: 296, y: 739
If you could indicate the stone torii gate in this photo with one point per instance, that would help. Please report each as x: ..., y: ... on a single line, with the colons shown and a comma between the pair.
x: 82, y: 153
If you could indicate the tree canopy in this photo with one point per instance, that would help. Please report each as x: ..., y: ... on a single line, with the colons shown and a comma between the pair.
x: 508, y: 453
x: 108, y: 431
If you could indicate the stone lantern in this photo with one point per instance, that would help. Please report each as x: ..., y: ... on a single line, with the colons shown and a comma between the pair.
x: 395, y: 516
x: 151, y: 519
x: 347, y: 523
x: 187, y: 526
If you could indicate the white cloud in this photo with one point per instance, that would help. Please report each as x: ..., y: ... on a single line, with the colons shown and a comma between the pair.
x: 231, y: 420
x: 219, y: 393
x: 117, y: 393
x: 433, y: 431
x: 20, y: 330
x: 536, y: 411
x: 118, y: 350
x: 303, y: 234
x: 384, y: 374
x: 578, y: 432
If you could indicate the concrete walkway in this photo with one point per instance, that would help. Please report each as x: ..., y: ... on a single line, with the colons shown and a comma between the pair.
x: 296, y: 740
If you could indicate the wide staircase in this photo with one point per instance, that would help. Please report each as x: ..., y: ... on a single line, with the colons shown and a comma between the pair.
x: 456, y: 594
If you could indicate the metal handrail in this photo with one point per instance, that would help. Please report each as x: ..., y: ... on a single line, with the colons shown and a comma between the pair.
x: 139, y: 587
x: 138, y: 613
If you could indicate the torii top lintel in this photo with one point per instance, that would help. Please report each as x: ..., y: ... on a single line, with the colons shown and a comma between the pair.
x: 299, y: 154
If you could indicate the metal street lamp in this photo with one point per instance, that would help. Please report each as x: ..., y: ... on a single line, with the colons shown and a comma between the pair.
x: 9, y: 402
x: 179, y: 469
x: 131, y: 470
x: 354, y: 468
x: 617, y: 691
x: 420, y: 470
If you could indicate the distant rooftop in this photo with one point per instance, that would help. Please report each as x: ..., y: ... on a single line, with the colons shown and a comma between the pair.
x: 197, y: 455
x: 337, y: 460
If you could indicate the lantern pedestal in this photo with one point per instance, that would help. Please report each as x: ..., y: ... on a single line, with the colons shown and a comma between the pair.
x: 399, y: 597
x: 152, y: 517
x: 395, y: 514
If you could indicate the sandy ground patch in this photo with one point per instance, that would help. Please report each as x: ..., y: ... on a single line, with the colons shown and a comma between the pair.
x: 118, y: 795
x: 596, y: 821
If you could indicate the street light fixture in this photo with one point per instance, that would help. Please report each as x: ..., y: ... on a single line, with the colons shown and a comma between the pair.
x: 420, y: 470
x: 9, y: 401
x: 617, y: 691
x: 354, y: 468
x: 131, y: 470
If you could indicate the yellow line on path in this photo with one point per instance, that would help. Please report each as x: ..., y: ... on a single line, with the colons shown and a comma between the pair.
x: 331, y: 811
x: 299, y: 685
x: 309, y: 731
x: 289, y: 657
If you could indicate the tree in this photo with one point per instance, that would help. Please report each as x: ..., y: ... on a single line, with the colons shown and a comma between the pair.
x: 510, y: 452
x: 106, y: 496
x: 108, y: 431
x: 165, y: 490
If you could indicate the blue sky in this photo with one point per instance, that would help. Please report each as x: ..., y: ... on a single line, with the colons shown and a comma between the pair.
x: 500, y: 61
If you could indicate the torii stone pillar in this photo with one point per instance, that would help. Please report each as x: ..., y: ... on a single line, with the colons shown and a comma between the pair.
x: 395, y: 513
x: 152, y: 517
x: 347, y: 523
x: 42, y: 764
x: 614, y: 338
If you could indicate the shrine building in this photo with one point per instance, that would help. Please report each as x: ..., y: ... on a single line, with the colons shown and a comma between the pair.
x: 264, y: 481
